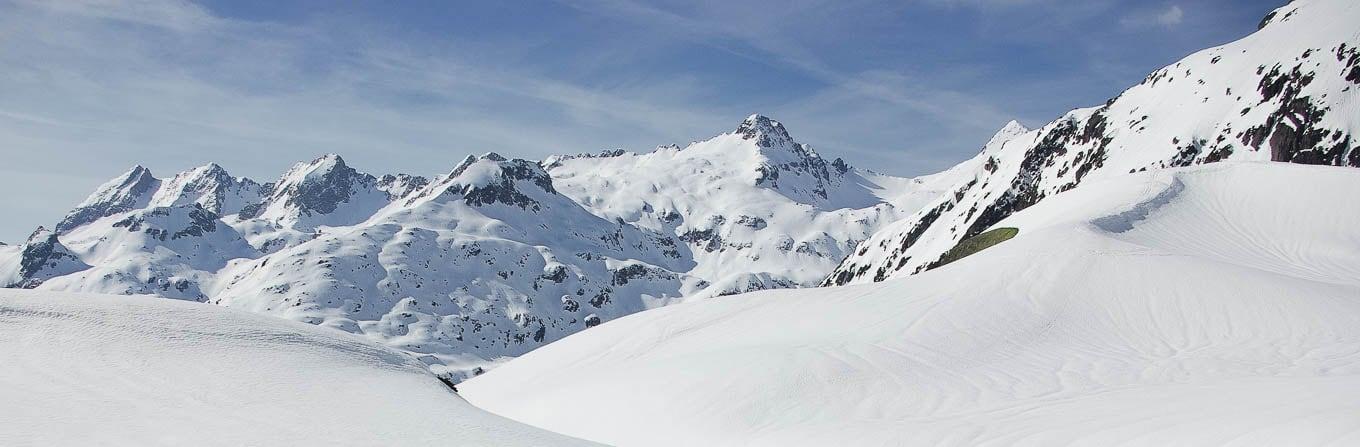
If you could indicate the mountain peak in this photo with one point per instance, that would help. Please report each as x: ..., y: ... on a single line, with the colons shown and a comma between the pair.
x: 327, y: 163
x: 128, y: 191
x: 207, y: 171
x: 491, y: 178
x: 321, y: 187
x: 39, y: 234
x: 765, y: 131
x: 210, y: 186
x: 1011, y: 130
x: 134, y: 174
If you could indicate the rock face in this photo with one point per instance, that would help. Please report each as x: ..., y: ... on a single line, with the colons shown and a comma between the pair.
x: 399, y: 185
x: 43, y: 257
x: 1285, y: 93
x: 324, y: 191
x: 494, y: 258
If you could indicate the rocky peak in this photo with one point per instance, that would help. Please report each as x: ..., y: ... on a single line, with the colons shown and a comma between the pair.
x: 491, y: 178
x: 767, y: 133
x: 211, y: 187
x: 320, y: 186
x: 787, y: 165
x: 44, y: 257
x: 129, y: 191
x: 400, y: 185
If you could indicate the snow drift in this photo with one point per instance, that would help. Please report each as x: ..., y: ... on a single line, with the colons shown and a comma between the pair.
x: 109, y: 370
x: 1213, y: 305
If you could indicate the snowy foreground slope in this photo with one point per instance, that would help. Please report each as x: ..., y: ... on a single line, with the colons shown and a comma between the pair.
x: 110, y: 370
x: 1212, y: 305
x: 1289, y: 92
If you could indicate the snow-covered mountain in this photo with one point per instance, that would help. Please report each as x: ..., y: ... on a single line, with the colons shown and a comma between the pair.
x: 40, y: 258
x: 115, y: 370
x: 1289, y: 92
x: 500, y: 256
x: 757, y: 209
x: 1156, y: 308
x: 489, y: 261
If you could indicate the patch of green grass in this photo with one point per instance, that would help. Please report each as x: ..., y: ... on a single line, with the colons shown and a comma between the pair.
x: 975, y: 244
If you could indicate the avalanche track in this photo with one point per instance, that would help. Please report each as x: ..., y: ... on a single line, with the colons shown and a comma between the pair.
x: 84, y: 369
x: 1216, y: 305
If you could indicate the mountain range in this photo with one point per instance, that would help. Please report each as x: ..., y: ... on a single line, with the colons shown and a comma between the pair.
x: 500, y: 256
x: 494, y: 258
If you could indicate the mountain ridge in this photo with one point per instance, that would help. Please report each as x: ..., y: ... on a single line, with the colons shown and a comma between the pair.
x: 1284, y: 93
x: 499, y: 255
x: 489, y: 260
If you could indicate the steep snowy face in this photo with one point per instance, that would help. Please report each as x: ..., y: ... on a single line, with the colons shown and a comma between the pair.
x: 756, y: 208
x: 324, y: 191
x: 211, y: 187
x: 1155, y: 308
x: 1286, y: 93
x: 89, y: 369
x: 127, y: 192
x: 40, y: 258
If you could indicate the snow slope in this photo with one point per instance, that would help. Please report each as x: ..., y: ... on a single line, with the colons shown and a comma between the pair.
x: 109, y: 370
x: 1212, y: 305
x: 1289, y: 92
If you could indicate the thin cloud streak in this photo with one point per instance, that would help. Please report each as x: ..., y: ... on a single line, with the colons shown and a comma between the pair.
x: 91, y: 87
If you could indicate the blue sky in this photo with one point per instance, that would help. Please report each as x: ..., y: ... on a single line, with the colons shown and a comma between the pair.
x: 90, y: 87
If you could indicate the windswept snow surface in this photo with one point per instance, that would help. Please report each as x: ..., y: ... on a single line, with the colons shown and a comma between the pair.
x: 1213, y: 305
x: 111, y: 370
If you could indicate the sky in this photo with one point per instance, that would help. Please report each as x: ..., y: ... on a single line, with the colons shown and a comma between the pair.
x: 89, y: 88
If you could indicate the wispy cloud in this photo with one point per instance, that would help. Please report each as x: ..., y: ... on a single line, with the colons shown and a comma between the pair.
x: 89, y: 87
x: 174, y: 14
x: 1169, y: 17
x: 772, y: 36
